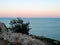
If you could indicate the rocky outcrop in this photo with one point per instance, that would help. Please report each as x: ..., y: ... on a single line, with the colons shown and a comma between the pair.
x: 3, y: 28
x: 21, y: 39
x: 16, y: 38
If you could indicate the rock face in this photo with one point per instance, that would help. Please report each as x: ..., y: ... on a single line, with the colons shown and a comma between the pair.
x: 21, y: 39
x: 3, y: 28
x: 17, y: 38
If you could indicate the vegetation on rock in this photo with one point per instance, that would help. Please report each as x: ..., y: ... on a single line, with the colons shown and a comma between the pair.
x: 18, y: 26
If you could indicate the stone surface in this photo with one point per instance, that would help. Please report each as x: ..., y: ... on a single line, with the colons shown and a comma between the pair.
x: 16, y: 38
x: 3, y: 27
x: 21, y: 39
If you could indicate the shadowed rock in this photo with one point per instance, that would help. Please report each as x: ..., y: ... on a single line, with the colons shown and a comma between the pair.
x: 17, y: 38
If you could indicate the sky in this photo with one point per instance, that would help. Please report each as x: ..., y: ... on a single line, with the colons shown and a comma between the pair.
x: 30, y: 8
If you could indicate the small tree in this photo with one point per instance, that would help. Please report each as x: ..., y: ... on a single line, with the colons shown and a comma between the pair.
x: 18, y: 26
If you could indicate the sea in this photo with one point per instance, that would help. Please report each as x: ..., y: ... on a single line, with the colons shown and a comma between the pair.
x: 47, y: 27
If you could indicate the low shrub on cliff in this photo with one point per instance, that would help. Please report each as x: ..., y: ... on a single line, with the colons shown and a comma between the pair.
x: 18, y: 26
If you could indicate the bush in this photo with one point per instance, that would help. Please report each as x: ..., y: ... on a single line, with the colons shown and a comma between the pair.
x: 18, y: 26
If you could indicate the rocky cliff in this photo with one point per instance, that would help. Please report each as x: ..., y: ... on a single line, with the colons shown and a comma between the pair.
x: 19, y: 38
x: 8, y: 38
x: 16, y: 38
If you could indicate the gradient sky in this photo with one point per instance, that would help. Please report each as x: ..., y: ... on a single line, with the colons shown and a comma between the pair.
x: 29, y: 8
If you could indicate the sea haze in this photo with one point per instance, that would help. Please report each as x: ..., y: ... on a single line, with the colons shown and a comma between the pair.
x: 48, y: 27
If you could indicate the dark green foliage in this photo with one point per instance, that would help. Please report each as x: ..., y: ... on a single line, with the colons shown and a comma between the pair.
x: 18, y: 26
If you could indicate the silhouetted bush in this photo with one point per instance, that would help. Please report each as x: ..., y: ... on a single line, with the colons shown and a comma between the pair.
x: 18, y: 26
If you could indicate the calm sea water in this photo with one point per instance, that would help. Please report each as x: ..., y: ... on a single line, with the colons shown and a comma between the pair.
x: 48, y: 27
